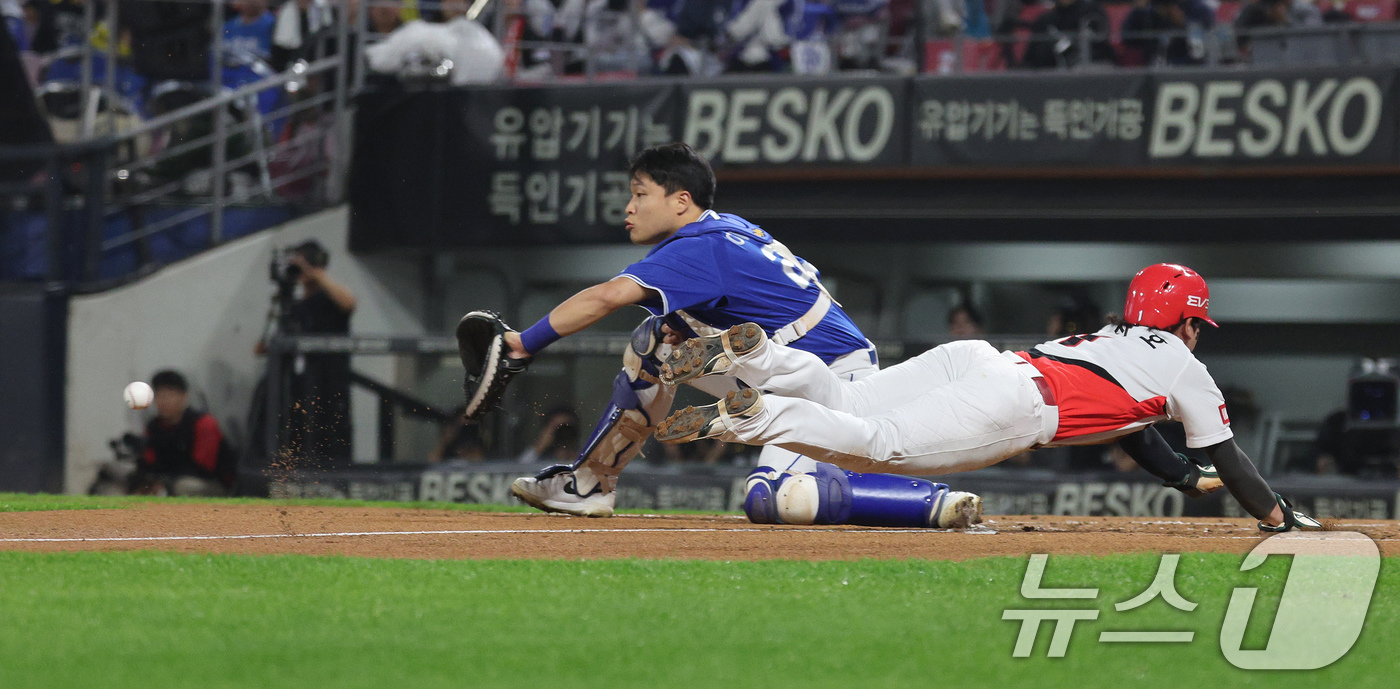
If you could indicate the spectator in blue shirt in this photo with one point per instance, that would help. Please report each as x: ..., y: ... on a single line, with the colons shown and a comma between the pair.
x: 251, y: 31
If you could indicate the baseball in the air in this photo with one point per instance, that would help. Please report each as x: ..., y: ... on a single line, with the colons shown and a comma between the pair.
x: 138, y: 395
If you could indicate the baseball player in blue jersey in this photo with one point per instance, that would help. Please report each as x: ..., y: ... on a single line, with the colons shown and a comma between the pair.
x: 706, y: 272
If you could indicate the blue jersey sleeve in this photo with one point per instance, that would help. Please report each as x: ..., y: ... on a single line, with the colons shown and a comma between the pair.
x: 683, y: 271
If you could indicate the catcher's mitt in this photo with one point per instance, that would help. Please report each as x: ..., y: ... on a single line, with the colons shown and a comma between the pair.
x: 482, y: 345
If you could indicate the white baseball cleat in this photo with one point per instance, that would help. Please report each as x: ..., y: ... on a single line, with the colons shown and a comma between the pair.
x: 555, y: 490
x: 958, y: 510
x: 711, y: 420
x: 711, y: 355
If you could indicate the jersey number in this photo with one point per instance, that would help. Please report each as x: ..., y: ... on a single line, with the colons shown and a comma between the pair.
x: 799, y: 271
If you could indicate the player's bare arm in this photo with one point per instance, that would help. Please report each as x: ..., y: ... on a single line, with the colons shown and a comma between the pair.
x: 584, y: 309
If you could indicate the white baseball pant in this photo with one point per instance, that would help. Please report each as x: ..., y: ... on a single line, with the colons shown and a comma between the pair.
x: 957, y: 407
x: 853, y: 366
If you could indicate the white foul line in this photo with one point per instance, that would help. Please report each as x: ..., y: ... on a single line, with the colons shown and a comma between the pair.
x: 454, y: 532
x: 469, y: 532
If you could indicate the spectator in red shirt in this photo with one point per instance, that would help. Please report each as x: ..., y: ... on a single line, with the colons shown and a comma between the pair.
x: 182, y: 445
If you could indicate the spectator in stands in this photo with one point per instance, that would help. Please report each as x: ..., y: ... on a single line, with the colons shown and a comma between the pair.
x: 55, y: 24
x: 1261, y: 14
x: 538, y: 17
x: 558, y: 439
x: 451, y: 9
x: 1077, y: 314
x: 812, y: 33
x: 1336, y: 13
x: 862, y: 33
x: 684, y: 33
x: 1169, y: 31
x: 297, y: 22
x: 1001, y: 15
x: 459, y: 440
x: 1265, y: 13
x: 610, y: 29
x: 385, y: 18
x: 965, y: 322
x: 14, y: 18
x: 250, y: 33
x: 325, y: 41
x: 183, y: 446
x: 1305, y: 13
x: 977, y: 23
x: 1055, y: 36
x: 1010, y: 16
x: 761, y: 30
x: 952, y: 17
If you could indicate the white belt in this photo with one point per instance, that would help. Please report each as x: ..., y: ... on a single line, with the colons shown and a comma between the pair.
x: 796, y: 329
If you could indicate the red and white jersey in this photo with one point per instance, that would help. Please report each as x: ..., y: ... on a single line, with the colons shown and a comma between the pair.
x: 1123, y: 378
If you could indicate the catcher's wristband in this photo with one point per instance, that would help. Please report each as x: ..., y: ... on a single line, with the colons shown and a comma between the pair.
x: 539, y: 336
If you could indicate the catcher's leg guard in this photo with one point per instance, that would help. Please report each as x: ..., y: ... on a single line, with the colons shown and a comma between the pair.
x: 830, y: 495
x: 639, y: 401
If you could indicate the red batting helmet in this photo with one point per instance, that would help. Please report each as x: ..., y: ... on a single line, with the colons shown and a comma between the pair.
x: 1166, y: 294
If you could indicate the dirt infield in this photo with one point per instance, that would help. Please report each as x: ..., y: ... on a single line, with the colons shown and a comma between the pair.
x: 454, y: 534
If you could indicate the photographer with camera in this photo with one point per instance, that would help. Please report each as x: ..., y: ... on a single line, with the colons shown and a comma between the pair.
x: 319, y: 416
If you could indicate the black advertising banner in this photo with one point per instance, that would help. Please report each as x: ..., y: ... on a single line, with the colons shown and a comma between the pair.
x: 531, y: 165
x: 495, y: 166
x: 397, y: 168
x: 797, y: 122
x: 1311, y: 116
x: 1029, y: 120
x: 1183, y: 117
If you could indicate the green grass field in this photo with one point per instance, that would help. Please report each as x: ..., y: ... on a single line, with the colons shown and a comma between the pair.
x: 150, y: 619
